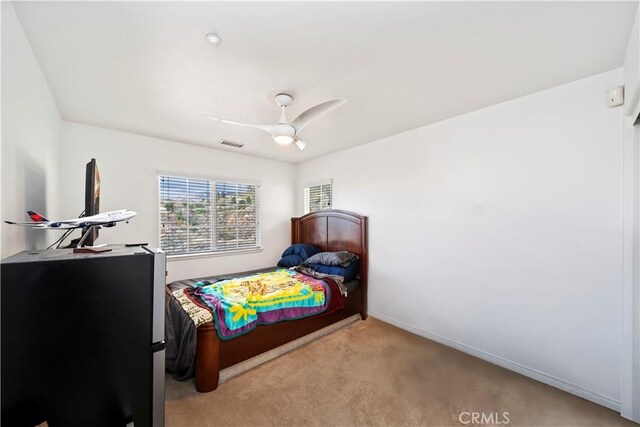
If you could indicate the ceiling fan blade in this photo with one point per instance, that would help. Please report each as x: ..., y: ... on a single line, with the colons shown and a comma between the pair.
x: 300, y: 143
x: 267, y: 128
x: 314, y: 112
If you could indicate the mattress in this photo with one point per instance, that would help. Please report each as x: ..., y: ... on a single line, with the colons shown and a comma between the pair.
x: 181, y: 284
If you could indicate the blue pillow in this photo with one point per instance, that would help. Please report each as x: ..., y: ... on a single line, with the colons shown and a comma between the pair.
x: 305, y: 250
x: 289, y: 261
x: 349, y: 273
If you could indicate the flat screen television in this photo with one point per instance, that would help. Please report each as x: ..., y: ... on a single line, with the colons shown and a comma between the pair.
x: 92, y: 197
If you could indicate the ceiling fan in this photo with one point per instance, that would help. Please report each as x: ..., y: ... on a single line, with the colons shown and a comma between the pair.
x: 285, y: 132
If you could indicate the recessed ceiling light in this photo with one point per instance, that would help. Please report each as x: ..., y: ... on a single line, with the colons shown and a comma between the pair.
x: 214, y: 39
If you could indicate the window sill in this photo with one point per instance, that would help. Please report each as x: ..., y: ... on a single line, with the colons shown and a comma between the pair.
x: 183, y: 257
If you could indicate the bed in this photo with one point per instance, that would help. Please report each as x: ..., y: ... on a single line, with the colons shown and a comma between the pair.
x: 328, y: 230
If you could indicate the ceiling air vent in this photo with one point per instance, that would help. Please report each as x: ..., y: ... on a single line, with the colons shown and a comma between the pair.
x: 231, y: 143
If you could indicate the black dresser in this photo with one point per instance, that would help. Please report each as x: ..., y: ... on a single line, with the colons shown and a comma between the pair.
x: 82, y: 339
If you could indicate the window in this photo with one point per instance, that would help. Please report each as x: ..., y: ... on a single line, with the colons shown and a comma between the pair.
x: 317, y: 196
x: 200, y: 216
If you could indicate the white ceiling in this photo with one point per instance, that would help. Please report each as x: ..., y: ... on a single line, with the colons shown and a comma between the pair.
x: 146, y: 68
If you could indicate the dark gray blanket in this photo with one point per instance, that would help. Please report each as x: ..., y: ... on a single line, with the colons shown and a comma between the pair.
x: 181, y: 338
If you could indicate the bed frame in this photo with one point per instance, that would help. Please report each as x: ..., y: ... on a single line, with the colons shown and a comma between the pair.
x: 329, y: 230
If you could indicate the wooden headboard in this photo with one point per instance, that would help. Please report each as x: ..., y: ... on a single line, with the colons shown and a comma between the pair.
x: 335, y: 230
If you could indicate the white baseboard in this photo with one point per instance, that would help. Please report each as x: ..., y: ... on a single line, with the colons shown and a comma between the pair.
x: 507, y: 364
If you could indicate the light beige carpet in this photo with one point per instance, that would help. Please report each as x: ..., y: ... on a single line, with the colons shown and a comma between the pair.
x: 372, y: 373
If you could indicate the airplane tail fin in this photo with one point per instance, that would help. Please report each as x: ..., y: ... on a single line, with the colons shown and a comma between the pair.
x: 36, y: 217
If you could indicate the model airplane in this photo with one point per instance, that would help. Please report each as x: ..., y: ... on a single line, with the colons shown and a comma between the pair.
x: 106, y: 219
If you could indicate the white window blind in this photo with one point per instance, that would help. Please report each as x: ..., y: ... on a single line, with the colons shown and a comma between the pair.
x: 200, y: 216
x: 317, y: 197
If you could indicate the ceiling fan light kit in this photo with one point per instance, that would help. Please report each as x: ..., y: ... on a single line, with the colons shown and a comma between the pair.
x: 283, y: 139
x: 284, y: 132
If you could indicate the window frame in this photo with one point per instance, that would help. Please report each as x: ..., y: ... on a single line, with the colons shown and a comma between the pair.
x: 213, y: 181
x: 307, y: 186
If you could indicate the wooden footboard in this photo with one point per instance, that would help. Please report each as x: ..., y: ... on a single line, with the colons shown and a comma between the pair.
x: 207, y: 358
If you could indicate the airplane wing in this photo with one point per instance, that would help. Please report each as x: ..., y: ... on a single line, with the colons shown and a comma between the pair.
x: 27, y: 224
x: 43, y: 225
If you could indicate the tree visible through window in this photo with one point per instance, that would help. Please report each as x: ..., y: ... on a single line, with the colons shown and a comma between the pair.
x: 199, y: 215
x: 317, y: 197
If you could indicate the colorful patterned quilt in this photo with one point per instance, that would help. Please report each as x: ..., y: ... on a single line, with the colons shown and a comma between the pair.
x: 240, y: 304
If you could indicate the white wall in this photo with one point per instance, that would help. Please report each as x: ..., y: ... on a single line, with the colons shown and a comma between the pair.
x: 500, y: 232
x: 630, y: 373
x: 129, y: 166
x: 30, y: 130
